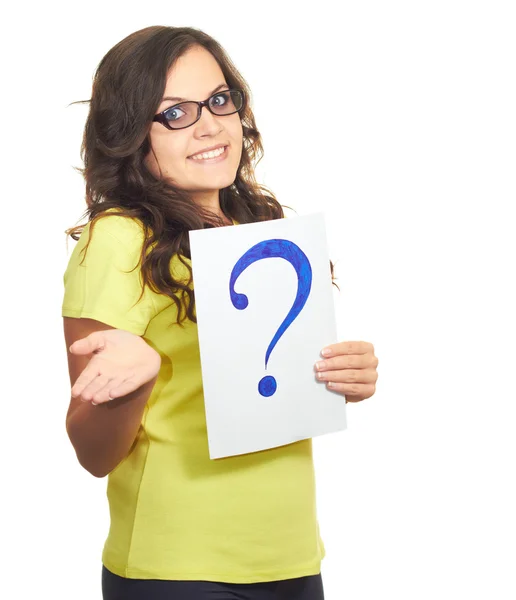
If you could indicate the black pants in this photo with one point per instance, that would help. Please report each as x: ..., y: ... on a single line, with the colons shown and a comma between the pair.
x: 115, y: 587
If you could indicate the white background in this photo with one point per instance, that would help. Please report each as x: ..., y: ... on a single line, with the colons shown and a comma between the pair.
x: 397, y: 119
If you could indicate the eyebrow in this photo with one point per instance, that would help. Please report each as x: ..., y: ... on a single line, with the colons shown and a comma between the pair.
x: 174, y: 98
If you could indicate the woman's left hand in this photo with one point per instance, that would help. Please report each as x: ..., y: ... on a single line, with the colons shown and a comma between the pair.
x: 349, y: 369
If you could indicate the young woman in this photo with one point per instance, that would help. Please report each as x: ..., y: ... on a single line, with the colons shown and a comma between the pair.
x: 168, y: 147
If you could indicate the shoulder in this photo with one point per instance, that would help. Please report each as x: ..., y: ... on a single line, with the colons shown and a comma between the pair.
x: 112, y: 224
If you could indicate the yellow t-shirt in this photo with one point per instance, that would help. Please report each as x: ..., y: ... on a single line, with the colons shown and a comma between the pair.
x: 175, y: 513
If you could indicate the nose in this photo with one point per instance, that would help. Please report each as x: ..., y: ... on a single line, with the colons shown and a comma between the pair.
x: 207, y: 117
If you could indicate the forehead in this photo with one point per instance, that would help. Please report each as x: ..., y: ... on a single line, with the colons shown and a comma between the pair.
x: 194, y: 75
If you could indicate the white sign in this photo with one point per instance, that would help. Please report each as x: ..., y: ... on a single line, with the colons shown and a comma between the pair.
x: 264, y: 303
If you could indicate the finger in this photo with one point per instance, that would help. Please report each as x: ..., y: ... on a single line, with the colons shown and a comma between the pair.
x: 354, y: 392
x: 347, y: 348
x: 127, y: 386
x: 349, y: 376
x: 90, y: 373
x: 91, y: 391
x: 344, y: 361
x: 95, y: 341
x: 106, y: 393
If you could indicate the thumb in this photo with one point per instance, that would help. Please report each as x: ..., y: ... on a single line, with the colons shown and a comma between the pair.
x: 91, y: 343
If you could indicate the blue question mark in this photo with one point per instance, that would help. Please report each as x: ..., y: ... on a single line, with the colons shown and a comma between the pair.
x: 297, y: 258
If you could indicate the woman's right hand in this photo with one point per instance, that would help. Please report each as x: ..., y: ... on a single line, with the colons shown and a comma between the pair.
x: 121, y: 363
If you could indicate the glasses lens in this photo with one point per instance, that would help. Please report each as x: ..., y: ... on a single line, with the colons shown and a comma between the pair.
x: 226, y: 103
x: 182, y: 115
x: 223, y: 103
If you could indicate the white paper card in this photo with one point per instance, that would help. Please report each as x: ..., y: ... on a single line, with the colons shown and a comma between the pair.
x: 279, y: 265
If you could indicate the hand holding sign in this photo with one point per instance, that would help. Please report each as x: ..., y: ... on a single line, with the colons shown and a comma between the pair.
x: 350, y: 369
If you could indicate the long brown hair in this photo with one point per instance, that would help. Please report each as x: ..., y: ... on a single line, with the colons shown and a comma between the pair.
x: 127, y: 89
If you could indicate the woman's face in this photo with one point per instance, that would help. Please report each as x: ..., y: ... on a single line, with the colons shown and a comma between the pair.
x: 195, y: 76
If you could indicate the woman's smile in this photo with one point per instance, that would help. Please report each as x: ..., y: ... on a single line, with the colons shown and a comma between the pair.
x: 211, y: 161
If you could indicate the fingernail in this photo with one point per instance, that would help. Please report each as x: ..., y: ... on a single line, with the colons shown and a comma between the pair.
x: 326, y: 352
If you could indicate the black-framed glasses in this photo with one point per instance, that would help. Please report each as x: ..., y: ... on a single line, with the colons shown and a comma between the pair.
x: 179, y: 116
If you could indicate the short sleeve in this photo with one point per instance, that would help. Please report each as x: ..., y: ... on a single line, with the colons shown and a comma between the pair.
x: 106, y: 286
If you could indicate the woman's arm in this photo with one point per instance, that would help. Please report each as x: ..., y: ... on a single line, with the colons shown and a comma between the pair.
x: 101, y: 435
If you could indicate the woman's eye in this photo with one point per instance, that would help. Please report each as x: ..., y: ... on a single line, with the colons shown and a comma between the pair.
x: 224, y: 98
x: 170, y: 114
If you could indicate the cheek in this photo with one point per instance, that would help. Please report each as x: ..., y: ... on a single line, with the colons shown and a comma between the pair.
x: 171, y: 157
x: 239, y: 132
x: 238, y: 153
x: 237, y: 137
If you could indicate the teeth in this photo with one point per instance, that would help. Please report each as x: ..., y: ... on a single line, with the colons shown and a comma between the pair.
x: 211, y: 154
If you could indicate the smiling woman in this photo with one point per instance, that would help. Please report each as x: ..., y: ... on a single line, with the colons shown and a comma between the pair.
x: 192, y: 76
x: 169, y: 146
x: 137, y: 163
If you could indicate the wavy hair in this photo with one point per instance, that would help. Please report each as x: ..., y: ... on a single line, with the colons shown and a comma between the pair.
x: 127, y: 89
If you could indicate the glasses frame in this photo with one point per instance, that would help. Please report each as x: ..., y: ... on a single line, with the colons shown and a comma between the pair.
x: 160, y: 117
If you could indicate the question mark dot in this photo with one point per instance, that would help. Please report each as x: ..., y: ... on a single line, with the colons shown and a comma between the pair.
x: 267, y: 386
x: 240, y: 301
